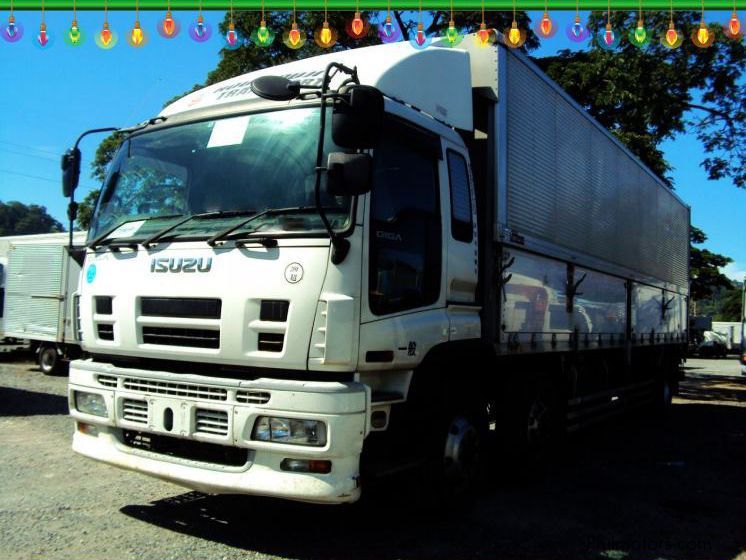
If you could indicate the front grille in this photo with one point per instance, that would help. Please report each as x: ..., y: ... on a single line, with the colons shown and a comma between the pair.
x: 135, y: 411
x: 105, y: 331
x: 274, y: 310
x: 107, y: 380
x: 213, y: 422
x: 190, y: 308
x: 187, y: 449
x: 174, y: 336
x: 78, y: 324
x: 252, y: 397
x: 271, y: 342
x: 174, y: 389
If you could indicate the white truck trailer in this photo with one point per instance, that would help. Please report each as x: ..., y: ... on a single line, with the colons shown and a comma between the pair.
x: 39, y: 280
x: 282, y: 295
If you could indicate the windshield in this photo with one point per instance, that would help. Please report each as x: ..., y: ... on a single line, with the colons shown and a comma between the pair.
x: 237, y: 165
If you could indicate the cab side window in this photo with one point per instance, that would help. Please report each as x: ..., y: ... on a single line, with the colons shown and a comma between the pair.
x: 405, y: 244
x: 462, y: 227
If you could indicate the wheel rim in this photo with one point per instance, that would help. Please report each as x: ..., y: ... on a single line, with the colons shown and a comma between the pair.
x: 536, y: 424
x: 667, y: 393
x: 48, y: 359
x: 462, y: 453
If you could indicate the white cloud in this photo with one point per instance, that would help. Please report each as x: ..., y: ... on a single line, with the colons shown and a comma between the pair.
x: 735, y: 271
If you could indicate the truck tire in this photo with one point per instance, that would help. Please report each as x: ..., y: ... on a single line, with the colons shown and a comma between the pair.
x: 49, y: 359
x: 463, y: 454
x: 530, y: 424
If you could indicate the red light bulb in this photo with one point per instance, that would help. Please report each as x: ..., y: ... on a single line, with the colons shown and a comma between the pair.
x: 546, y: 24
x: 734, y: 25
x: 357, y: 24
x: 420, y: 37
x: 169, y: 25
x: 42, y: 37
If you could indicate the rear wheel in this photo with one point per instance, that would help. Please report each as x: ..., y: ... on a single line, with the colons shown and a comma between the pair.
x: 49, y: 359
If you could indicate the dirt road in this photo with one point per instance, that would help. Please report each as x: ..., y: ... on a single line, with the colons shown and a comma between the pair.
x: 630, y: 490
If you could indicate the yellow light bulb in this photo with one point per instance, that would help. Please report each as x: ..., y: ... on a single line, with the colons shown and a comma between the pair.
x: 514, y: 35
x: 326, y: 34
x: 703, y: 34
x: 136, y: 34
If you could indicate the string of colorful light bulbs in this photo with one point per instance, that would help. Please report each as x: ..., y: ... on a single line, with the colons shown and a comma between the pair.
x: 359, y: 27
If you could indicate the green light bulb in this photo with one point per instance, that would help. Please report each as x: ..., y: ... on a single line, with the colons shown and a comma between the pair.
x: 640, y: 33
x: 452, y: 33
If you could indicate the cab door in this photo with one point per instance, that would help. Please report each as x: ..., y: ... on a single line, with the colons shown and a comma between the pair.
x: 460, y: 240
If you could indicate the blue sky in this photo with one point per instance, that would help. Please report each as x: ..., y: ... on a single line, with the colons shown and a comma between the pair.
x: 49, y: 97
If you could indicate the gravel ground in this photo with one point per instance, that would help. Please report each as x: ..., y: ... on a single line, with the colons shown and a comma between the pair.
x: 629, y: 490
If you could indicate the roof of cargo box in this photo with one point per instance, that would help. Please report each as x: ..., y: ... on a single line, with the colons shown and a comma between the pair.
x: 437, y: 81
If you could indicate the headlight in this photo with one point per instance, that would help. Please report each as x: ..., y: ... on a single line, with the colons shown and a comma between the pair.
x: 90, y: 403
x: 290, y: 430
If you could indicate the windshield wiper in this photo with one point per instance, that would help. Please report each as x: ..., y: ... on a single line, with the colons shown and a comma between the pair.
x: 223, y: 235
x: 206, y: 215
x: 100, y: 239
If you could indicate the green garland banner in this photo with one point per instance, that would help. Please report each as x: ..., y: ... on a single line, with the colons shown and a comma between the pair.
x: 350, y: 5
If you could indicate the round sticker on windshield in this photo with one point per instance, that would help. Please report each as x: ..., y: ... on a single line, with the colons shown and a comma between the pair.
x: 294, y: 273
x: 90, y: 274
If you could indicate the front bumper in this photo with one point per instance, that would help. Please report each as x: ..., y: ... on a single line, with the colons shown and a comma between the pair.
x: 222, y: 412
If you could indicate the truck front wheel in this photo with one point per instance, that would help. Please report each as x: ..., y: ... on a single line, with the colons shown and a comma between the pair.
x: 462, y: 455
x: 49, y: 359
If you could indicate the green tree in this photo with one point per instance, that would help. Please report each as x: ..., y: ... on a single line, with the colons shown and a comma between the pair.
x: 17, y: 218
x: 704, y: 267
x: 85, y: 209
x: 645, y: 96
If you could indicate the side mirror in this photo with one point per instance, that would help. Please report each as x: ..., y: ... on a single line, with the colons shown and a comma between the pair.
x: 357, y: 123
x: 348, y: 174
x: 70, y: 171
x: 275, y: 88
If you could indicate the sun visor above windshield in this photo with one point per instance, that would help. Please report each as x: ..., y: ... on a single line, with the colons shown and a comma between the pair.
x: 436, y: 81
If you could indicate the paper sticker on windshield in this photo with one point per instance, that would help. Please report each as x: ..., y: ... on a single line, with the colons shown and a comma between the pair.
x: 126, y: 230
x: 228, y: 132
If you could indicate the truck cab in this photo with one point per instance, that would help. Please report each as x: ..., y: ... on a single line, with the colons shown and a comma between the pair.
x: 249, y: 361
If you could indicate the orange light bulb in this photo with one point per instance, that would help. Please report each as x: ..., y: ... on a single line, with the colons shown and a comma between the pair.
x: 671, y: 35
x: 357, y: 24
x: 105, y: 34
x: 136, y: 34
x: 294, y: 35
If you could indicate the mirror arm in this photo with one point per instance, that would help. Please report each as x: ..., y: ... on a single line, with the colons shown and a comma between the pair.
x: 340, y: 245
x: 72, y: 207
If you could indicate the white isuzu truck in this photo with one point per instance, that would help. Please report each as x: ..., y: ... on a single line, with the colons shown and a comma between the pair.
x: 367, y: 261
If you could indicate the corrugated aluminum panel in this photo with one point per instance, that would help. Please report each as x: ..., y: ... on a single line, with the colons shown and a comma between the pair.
x: 570, y: 184
x: 33, y: 297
